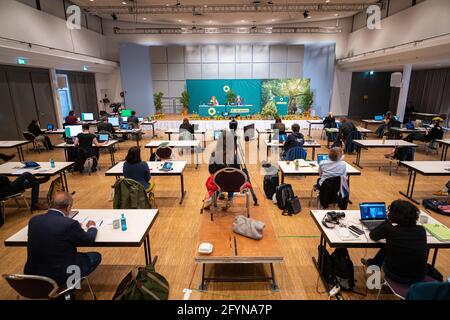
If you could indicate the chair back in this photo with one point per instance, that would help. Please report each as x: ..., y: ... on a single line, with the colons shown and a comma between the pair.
x: 32, y: 287
x: 429, y: 291
x: 130, y: 194
x: 230, y: 180
x: 329, y: 193
x: 295, y: 153
x: 163, y: 153
x: 29, y: 136
x: 55, y: 187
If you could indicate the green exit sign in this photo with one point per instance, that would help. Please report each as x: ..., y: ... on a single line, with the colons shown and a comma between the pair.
x: 21, y: 61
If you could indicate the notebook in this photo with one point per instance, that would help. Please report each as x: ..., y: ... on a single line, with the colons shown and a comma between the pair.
x: 439, y: 231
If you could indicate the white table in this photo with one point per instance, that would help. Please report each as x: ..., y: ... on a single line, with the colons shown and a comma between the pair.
x: 110, y: 146
x: 56, y: 131
x: 276, y: 144
x: 177, y: 170
x: 14, y: 169
x: 193, y: 144
x: 425, y: 168
x: 269, y: 132
x: 15, y: 144
x: 150, y: 123
x: 352, y: 217
x: 313, y: 122
x: 372, y: 121
x: 170, y: 132
x: 135, y: 132
x: 139, y: 223
x: 311, y: 170
x: 444, y: 143
x: 364, y: 132
x: 367, y: 144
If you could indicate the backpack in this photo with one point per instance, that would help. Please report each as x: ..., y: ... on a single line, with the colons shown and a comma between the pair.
x: 293, y: 206
x: 283, y: 194
x: 271, y: 183
x: 436, y: 205
x: 287, y: 201
x: 337, y: 268
x: 143, y: 284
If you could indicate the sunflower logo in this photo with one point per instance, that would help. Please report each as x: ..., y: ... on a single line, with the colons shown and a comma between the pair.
x: 226, y: 89
x: 212, y: 111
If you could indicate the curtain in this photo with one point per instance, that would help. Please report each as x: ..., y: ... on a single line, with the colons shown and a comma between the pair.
x: 429, y: 91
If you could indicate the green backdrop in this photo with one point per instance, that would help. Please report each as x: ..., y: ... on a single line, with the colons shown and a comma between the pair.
x: 201, y: 91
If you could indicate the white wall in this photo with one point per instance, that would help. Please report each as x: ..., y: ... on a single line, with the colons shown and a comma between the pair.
x: 427, y: 19
x: 111, y: 84
x: 24, y: 23
x: 340, y: 98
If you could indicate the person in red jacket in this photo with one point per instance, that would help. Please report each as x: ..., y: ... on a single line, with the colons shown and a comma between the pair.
x: 71, y: 119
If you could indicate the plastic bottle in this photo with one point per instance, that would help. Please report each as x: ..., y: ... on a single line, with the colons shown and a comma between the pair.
x: 52, y: 163
x: 123, y: 222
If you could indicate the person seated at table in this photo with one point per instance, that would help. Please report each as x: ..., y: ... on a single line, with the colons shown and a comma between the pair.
x: 133, y: 120
x: 387, y: 118
x: 329, y: 121
x: 186, y: 129
x: 71, y: 119
x: 295, y: 139
x: 214, y: 101
x: 53, y: 238
x: 25, y: 181
x: 84, y: 142
x: 335, y: 166
x: 239, y: 101
x: 436, y: 132
x: 404, y: 258
x: 345, y: 130
x: 105, y: 126
x: 35, y: 128
x: 6, y: 157
x: 138, y: 170
x: 279, y: 125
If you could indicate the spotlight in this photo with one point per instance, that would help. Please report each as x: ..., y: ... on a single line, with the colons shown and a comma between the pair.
x: 306, y: 14
x: 114, y: 16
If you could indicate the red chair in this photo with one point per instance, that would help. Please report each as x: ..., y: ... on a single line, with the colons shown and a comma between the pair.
x: 230, y: 180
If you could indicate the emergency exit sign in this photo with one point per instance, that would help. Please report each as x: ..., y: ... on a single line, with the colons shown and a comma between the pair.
x: 21, y: 61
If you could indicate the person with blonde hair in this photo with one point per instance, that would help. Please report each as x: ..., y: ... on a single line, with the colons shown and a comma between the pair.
x: 335, y: 166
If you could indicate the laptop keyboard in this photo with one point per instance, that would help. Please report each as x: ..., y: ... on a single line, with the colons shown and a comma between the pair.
x: 372, y: 224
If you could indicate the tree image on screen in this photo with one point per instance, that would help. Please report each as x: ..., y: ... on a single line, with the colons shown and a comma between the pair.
x: 292, y: 88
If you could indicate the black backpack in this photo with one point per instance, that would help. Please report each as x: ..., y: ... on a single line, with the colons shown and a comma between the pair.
x: 270, y: 185
x: 337, y: 268
x: 286, y: 200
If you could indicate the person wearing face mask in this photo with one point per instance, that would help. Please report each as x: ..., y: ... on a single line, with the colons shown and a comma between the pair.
x: 335, y: 166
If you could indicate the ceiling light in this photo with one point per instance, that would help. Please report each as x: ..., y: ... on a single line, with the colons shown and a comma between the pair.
x: 124, y: 2
x: 336, y: 14
x: 144, y: 18
x: 327, y: 1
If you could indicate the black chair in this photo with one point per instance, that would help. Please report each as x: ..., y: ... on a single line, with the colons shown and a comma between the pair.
x: 39, y: 287
x: 163, y: 153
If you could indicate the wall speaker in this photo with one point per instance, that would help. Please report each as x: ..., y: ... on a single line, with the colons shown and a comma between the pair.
x: 396, y: 79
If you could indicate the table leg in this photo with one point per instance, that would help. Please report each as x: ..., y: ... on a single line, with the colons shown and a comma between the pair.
x: 313, y: 154
x: 111, y: 153
x: 274, y: 282
x: 203, y: 283
x: 196, y: 158
x: 66, y: 154
x: 320, y: 267
x: 170, y: 136
x: 147, y: 260
x: 183, y: 192
x: 153, y: 129
x: 433, y: 262
x: 267, y: 153
x: 258, y: 139
x: 411, y: 183
x: 64, y: 183
x: 358, y: 157
x: 282, y: 177
x: 136, y: 136
x: 309, y: 130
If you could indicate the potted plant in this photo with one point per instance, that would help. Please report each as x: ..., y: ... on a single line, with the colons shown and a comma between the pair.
x: 157, y: 101
x: 306, y: 101
x: 231, y: 97
x: 270, y: 110
x: 185, y: 102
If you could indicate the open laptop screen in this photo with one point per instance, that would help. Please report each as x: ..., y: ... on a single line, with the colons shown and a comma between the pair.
x: 103, y: 137
x: 114, y: 121
x: 322, y: 157
x: 373, y: 210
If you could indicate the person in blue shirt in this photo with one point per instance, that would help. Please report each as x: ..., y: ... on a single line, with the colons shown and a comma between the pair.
x: 136, y: 169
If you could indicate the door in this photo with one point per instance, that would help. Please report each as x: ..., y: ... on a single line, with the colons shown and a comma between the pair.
x: 44, y: 98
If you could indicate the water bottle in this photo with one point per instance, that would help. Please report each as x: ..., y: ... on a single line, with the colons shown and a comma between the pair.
x: 123, y: 222
x: 52, y: 163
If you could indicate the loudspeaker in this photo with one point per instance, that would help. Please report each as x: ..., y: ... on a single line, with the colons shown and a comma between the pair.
x: 396, y: 79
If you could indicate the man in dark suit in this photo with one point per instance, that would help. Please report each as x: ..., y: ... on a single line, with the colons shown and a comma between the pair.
x: 53, y: 239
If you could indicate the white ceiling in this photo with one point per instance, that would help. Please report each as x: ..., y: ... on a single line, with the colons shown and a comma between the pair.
x: 224, y: 18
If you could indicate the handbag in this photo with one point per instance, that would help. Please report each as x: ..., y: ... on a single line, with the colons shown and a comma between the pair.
x: 248, y: 227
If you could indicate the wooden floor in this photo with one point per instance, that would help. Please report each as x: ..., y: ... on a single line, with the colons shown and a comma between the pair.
x: 175, y: 233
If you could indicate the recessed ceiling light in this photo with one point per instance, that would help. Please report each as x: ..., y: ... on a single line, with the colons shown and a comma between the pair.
x: 327, y: 1
x: 336, y: 14
x: 144, y: 18
x: 124, y: 2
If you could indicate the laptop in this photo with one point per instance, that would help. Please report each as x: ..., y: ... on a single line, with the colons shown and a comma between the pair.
x: 282, y: 138
x: 124, y: 126
x: 167, y: 166
x: 103, y: 137
x: 379, y: 118
x: 321, y: 157
x: 372, y: 214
